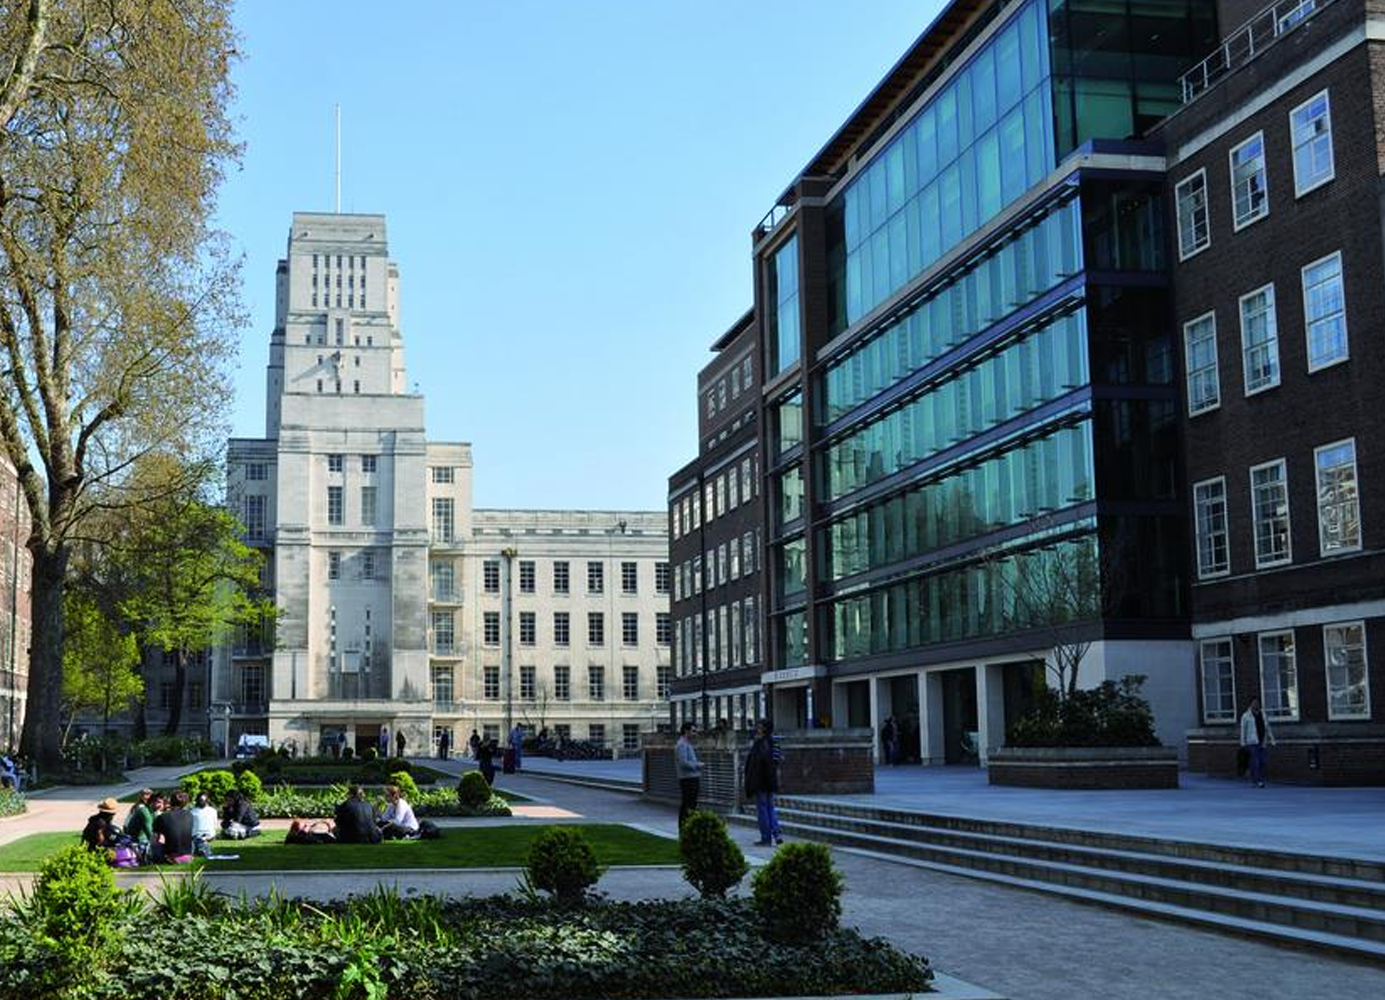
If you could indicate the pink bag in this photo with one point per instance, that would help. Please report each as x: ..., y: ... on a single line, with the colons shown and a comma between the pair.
x: 124, y: 857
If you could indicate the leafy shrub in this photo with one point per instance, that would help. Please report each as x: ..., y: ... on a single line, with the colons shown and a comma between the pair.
x: 712, y: 863
x: 1110, y: 715
x: 562, y: 862
x: 798, y: 894
x: 473, y: 791
x: 369, y: 754
x: 217, y: 784
x: 76, y: 903
x: 250, y: 785
x: 11, y: 802
x: 406, y: 785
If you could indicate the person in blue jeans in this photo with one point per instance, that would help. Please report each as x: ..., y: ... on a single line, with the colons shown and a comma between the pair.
x: 517, y: 744
x: 762, y: 781
x: 1256, y: 739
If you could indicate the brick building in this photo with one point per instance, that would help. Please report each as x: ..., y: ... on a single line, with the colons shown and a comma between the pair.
x: 15, y: 566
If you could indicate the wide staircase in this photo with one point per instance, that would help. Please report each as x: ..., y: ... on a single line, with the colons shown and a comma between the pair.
x: 1320, y: 903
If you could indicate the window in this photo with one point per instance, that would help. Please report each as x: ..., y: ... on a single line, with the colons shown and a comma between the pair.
x: 630, y: 736
x: 596, y: 682
x: 1278, y: 675
x: 745, y: 479
x: 443, y: 578
x: 697, y: 510
x: 661, y: 578
x: 709, y: 500
x: 752, y: 641
x: 663, y: 628
x: 440, y: 732
x: 721, y: 495
x: 561, y: 582
x: 195, y: 694
x: 596, y: 733
x: 1259, y: 340
x: 442, y: 519
x: 596, y: 628
x: 443, y: 636
x: 527, y: 628
x: 1209, y: 513
x: 442, y: 686
x: 368, y: 564
x: 596, y: 579
x: 1200, y: 351
x: 528, y: 686
x: 697, y: 574
x: 665, y: 680
x: 166, y: 699
x: 252, y: 684
x: 334, y: 565
x: 256, y: 472
x: 491, y: 684
x: 561, y: 628
x: 367, y: 461
x: 1218, y: 681
x: 1310, y: 128
x: 735, y: 560
x: 1269, y: 502
x: 368, y: 505
x: 1249, y: 197
x: 748, y: 552
x: 735, y: 634
x: 733, y: 489
x: 254, y: 516
x: 1339, y: 506
x: 334, y: 463
x: 630, y: 683
x: 444, y: 474
x: 490, y: 576
x: 1194, y: 233
x: 1324, y: 312
x: 723, y: 638
x: 629, y: 628
x: 336, y: 510
x: 629, y: 578
x: 722, y: 565
x: 490, y: 628
x: 490, y: 731
x: 562, y: 683
x: 526, y: 576
x: 1348, y: 683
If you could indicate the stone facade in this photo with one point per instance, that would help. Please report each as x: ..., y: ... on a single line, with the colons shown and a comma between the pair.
x: 15, y: 564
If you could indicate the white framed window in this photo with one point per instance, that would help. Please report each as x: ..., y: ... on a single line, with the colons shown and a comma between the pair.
x: 490, y: 683
x: 1339, y: 504
x: 368, y: 512
x: 1194, y: 232
x: 1325, y: 312
x: 444, y: 474
x: 1259, y: 340
x: 1218, y: 681
x: 368, y: 462
x: 1348, y: 680
x: 490, y: 628
x: 562, y: 628
x: 1269, y: 504
x: 1310, y: 129
x: 1250, y: 200
x: 1209, y: 516
x: 490, y: 576
x: 562, y: 682
x: 1200, y: 353
x: 1278, y: 675
x: 336, y: 507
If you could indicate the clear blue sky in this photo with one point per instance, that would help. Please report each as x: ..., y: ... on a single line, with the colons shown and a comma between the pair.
x: 570, y: 187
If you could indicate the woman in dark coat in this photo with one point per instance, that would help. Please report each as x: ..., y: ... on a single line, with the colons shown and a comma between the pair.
x: 762, y: 781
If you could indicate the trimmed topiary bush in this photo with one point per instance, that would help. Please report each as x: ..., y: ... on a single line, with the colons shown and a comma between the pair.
x: 562, y: 862
x: 217, y: 784
x: 473, y: 791
x: 77, y: 904
x: 798, y: 894
x: 712, y: 863
x: 405, y: 783
x: 250, y: 785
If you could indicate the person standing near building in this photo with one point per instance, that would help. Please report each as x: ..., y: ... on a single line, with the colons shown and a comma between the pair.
x: 445, y: 744
x: 384, y: 741
x: 400, y: 743
x: 475, y: 744
x: 889, y: 741
x: 762, y: 781
x: 1256, y: 738
x: 689, y: 770
x: 517, y: 744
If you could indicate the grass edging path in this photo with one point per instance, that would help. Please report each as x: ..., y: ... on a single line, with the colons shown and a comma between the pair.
x: 459, y: 848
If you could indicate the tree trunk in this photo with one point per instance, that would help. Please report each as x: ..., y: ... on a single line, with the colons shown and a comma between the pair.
x: 180, y: 679
x: 42, y: 738
x: 140, y: 728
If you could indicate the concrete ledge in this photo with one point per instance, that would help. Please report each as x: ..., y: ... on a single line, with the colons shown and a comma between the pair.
x: 944, y: 988
x: 1086, y: 768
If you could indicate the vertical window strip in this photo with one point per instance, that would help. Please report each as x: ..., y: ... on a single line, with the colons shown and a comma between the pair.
x: 1324, y: 312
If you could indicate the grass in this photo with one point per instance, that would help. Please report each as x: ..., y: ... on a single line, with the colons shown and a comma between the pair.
x: 459, y: 847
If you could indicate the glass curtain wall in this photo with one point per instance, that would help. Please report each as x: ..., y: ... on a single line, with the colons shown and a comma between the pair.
x: 782, y: 296
x: 982, y: 140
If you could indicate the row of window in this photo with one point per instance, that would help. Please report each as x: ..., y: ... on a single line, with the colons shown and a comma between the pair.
x: 1338, y: 503
x: 727, y: 563
x: 361, y: 565
x: 562, y: 628
x: 732, y: 636
x: 1310, y: 136
x: 336, y: 506
x: 1324, y: 323
x: 1346, y: 674
x: 320, y: 335
x: 326, y: 259
x: 559, y: 688
x: 562, y: 578
x: 561, y: 731
x: 720, y: 494
x: 740, y: 375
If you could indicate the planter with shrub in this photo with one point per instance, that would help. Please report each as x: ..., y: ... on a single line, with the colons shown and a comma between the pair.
x: 712, y: 863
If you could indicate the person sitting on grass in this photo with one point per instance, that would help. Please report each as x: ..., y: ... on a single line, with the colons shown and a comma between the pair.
x: 238, y: 817
x: 173, y: 832
x: 139, y: 824
x: 356, y: 820
x: 204, y: 826
x: 101, y: 832
x: 399, y: 821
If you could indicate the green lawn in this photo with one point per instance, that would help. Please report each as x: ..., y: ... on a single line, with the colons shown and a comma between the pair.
x: 459, y: 847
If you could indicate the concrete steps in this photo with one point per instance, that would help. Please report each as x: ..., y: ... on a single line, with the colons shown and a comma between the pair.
x: 1322, y: 903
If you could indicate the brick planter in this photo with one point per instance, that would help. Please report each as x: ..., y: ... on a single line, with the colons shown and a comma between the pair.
x: 1084, y: 767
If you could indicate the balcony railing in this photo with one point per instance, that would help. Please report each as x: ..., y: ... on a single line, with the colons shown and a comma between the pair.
x: 1247, y: 42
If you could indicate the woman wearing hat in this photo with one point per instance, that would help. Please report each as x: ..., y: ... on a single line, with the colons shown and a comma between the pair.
x: 101, y: 831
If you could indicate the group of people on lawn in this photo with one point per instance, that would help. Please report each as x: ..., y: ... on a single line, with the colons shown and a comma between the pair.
x: 356, y: 821
x: 168, y: 829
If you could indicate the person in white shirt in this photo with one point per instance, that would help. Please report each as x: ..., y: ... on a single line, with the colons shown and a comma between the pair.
x: 205, y: 824
x: 398, y: 820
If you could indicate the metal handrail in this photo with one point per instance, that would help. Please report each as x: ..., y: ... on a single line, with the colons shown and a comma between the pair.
x: 1247, y: 42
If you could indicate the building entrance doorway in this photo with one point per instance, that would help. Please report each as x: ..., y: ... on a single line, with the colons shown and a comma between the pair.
x: 960, y: 720
x: 904, y: 706
x: 857, y: 704
x: 367, y: 735
x: 791, y: 707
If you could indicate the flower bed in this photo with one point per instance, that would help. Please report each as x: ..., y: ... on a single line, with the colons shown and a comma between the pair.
x: 11, y: 802
x: 194, y: 944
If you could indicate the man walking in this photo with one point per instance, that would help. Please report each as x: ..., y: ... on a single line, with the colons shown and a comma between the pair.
x: 689, y: 770
x: 1256, y: 738
x: 517, y: 745
x: 762, y: 781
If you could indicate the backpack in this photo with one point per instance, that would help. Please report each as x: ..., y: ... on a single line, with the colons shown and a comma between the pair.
x: 428, y: 830
x: 125, y: 856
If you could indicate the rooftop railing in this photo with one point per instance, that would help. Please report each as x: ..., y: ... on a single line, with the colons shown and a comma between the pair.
x: 1246, y: 42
